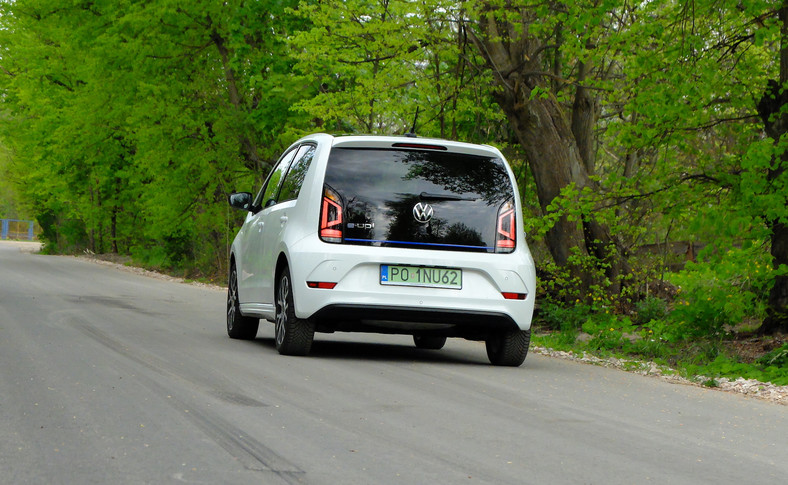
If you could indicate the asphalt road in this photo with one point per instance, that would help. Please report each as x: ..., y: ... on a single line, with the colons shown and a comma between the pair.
x: 112, y: 377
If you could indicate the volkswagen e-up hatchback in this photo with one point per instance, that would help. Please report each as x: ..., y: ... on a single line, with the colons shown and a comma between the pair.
x: 382, y: 234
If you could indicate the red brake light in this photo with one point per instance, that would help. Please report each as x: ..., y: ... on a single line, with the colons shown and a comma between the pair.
x: 505, y: 229
x: 331, y: 216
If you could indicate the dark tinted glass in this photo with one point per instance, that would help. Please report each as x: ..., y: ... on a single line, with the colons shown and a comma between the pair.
x: 295, y: 176
x: 380, y: 191
x: 267, y: 194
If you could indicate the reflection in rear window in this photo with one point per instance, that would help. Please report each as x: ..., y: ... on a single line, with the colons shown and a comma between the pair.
x: 458, y: 197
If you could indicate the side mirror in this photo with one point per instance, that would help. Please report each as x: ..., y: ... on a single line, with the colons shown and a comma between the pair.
x: 240, y: 200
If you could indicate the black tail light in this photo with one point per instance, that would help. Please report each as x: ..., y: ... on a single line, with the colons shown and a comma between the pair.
x: 505, y: 235
x: 331, y: 216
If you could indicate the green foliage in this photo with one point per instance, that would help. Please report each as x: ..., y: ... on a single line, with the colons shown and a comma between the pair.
x: 718, y: 293
x: 566, y: 283
x: 612, y: 335
x: 650, y: 309
x: 608, y: 332
x: 564, y: 318
x: 9, y: 203
x: 128, y: 122
x: 375, y: 65
x: 565, y: 341
x: 776, y: 358
x: 723, y: 366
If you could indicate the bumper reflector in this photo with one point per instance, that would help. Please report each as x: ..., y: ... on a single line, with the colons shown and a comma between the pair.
x: 514, y: 296
x: 322, y: 285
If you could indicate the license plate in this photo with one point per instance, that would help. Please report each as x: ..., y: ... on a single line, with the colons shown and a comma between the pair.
x: 399, y: 275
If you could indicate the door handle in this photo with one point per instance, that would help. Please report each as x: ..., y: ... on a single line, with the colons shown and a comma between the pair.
x: 283, y: 219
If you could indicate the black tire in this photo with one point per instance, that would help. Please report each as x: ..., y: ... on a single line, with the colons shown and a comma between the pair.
x: 238, y: 326
x: 293, y: 335
x: 508, y: 348
x: 429, y: 342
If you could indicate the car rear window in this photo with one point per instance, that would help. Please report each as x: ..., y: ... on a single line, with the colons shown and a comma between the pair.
x: 417, y: 198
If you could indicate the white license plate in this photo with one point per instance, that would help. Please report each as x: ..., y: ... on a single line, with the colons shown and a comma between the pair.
x: 401, y: 275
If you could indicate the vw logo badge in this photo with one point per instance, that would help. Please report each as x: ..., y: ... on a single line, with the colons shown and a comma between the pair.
x: 422, y: 212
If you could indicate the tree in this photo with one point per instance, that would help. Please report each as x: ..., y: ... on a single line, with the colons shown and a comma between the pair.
x: 526, y: 45
x: 380, y: 65
x: 130, y: 121
x: 698, y: 81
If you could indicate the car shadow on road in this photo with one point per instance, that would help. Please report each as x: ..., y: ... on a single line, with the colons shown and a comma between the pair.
x: 333, y: 349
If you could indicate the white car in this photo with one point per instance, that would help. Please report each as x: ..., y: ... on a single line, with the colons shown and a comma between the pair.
x: 382, y: 234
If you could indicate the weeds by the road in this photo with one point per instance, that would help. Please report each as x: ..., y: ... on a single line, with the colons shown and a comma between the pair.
x: 654, y: 338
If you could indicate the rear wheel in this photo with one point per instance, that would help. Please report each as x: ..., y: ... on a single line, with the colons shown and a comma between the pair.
x: 293, y: 335
x: 429, y: 342
x: 238, y: 326
x: 508, y: 348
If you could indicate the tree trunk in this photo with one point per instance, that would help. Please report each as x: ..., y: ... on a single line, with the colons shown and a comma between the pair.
x: 777, y: 314
x: 584, y: 119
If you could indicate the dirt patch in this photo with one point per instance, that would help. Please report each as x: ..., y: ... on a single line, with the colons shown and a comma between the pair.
x: 750, y: 348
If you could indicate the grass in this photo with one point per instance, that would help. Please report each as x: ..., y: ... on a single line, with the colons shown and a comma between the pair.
x: 764, y: 359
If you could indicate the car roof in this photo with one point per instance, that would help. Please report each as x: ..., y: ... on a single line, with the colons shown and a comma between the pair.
x: 404, y: 142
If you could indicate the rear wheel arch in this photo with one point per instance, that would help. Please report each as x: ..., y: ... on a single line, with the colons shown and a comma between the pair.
x: 281, y: 263
x: 232, y: 263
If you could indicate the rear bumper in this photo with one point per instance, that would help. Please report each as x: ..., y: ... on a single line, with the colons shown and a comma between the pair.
x: 358, y: 302
x: 422, y: 321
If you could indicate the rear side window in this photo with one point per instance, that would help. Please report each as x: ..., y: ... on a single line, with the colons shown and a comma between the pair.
x: 295, y: 176
x: 416, y: 199
x: 267, y: 194
x: 293, y: 166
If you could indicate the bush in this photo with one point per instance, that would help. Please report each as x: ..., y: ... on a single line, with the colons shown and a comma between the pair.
x: 718, y: 294
x: 651, y: 309
x: 608, y: 332
x: 555, y: 316
x: 776, y: 358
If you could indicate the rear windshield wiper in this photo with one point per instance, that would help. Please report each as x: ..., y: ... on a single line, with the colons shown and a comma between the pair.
x: 439, y: 197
